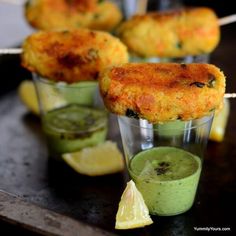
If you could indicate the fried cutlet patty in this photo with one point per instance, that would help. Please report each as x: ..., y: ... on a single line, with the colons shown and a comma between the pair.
x: 71, y: 56
x: 160, y: 92
x: 67, y: 14
x: 171, y: 34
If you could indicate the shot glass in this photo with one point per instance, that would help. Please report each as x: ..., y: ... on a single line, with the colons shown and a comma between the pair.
x: 132, y: 7
x: 165, y: 160
x: 203, y: 58
x: 73, y: 116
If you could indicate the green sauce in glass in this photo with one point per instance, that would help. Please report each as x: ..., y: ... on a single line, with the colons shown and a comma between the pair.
x: 167, y: 177
x: 73, y: 127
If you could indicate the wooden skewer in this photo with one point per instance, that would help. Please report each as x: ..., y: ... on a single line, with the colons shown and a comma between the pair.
x: 227, y: 20
x: 11, y: 51
x: 230, y: 95
x: 14, y: 2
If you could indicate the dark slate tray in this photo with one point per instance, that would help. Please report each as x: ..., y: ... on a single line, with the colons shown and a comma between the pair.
x: 26, y: 171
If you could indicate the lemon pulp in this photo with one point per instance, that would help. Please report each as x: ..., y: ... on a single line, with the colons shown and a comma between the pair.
x: 28, y: 96
x: 219, y: 123
x: 132, y: 211
x: 50, y: 98
x: 102, y: 159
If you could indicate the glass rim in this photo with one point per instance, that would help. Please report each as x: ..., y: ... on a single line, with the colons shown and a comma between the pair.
x: 37, y: 77
x: 205, y: 120
x: 164, y: 59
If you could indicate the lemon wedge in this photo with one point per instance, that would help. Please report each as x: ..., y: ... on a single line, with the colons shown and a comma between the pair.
x: 219, y: 123
x: 28, y: 96
x: 105, y: 158
x: 50, y: 98
x: 132, y: 211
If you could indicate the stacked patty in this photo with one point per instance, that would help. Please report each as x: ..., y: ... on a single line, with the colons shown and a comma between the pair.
x: 69, y: 14
x: 160, y: 92
x: 72, y: 56
x: 171, y: 34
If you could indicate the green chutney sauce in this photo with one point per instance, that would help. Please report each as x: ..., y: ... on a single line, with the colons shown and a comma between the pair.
x: 73, y: 127
x: 167, y: 177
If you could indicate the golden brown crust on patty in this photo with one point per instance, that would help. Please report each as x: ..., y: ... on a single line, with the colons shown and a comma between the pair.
x: 70, y: 14
x: 171, y: 34
x: 160, y: 92
x: 72, y: 56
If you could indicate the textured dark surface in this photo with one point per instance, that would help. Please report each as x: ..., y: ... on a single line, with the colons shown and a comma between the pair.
x: 26, y: 172
x: 43, y: 221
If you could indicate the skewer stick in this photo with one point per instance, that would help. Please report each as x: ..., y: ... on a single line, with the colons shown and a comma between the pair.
x: 13, y: 2
x: 12, y: 51
x: 230, y: 95
x: 227, y: 20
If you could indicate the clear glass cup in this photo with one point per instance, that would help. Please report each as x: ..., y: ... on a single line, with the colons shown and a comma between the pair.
x: 73, y: 115
x: 165, y: 160
x: 132, y: 7
x: 203, y: 58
